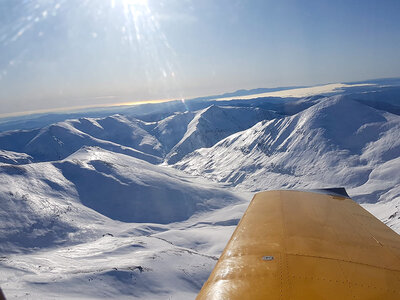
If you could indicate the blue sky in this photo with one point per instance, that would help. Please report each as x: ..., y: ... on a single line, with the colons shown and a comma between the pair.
x: 68, y: 53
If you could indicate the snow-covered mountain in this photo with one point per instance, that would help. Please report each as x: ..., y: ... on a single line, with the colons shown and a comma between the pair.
x: 141, y: 203
x: 214, y: 123
x: 59, y: 140
x: 172, y: 137
x: 337, y: 142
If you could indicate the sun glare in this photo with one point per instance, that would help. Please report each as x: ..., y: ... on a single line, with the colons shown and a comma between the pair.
x: 135, y: 2
x: 128, y: 28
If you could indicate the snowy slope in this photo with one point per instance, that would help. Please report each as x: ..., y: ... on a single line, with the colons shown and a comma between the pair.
x: 132, y: 190
x: 72, y: 229
x: 38, y: 208
x: 119, y: 129
x: 214, y: 123
x: 170, y: 131
x: 108, y: 268
x: 129, y: 261
x: 45, y: 198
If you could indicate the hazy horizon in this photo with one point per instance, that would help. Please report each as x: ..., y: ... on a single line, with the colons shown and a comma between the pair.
x: 284, y: 89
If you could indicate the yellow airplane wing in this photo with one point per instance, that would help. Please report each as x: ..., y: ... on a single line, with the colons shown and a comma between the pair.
x: 307, y: 245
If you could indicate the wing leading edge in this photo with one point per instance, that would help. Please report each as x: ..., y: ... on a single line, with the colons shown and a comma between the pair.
x: 307, y: 245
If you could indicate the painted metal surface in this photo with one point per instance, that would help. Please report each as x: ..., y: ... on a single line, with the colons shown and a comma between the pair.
x: 302, y: 245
